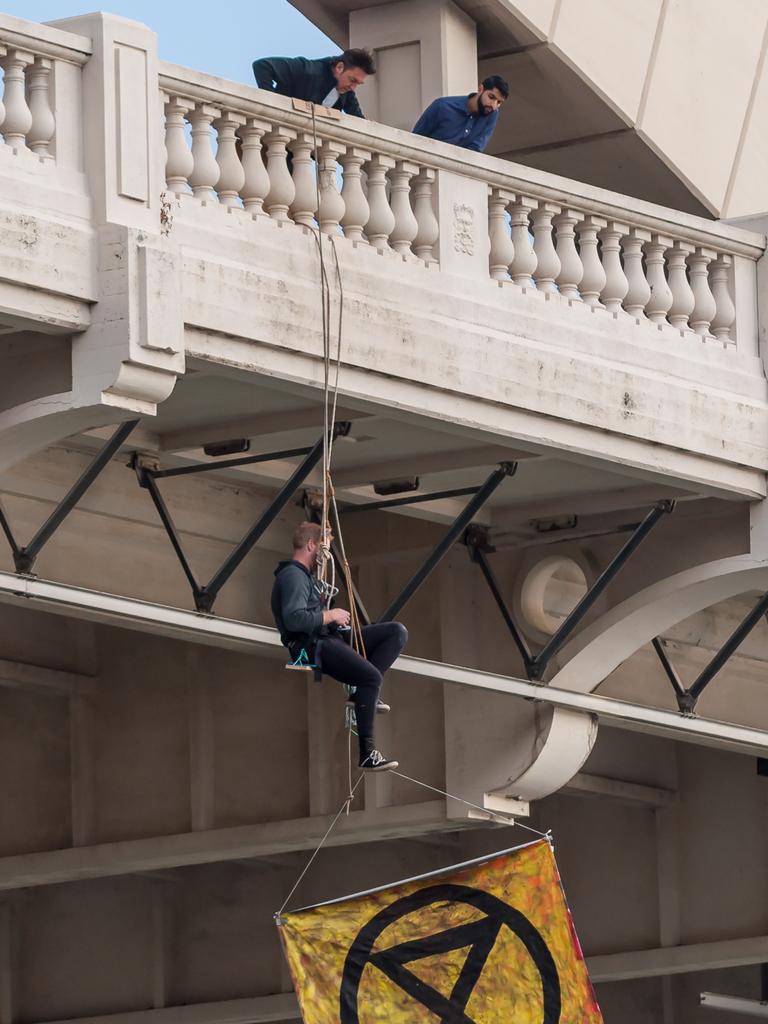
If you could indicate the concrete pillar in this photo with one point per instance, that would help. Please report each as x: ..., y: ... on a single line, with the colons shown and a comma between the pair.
x: 424, y: 49
x: 123, y: 130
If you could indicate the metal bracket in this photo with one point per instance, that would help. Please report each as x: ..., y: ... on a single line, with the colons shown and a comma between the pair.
x: 205, y: 594
x: 688, y: 698
x: 24, y: 557
x: 481, y: 495
x: 536, y: 664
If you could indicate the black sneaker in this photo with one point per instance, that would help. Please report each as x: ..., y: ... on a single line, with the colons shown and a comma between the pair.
x: 381, y: 707
x: 377, y: 762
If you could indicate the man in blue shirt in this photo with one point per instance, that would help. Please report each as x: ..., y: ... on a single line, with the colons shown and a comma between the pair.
x: 466, y: 121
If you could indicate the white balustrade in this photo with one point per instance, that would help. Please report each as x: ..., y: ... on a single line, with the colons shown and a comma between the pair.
x: 406, y: 226
x: 682, y: 295
x: 388, y: 200
x: 356, y: 208
x: 639, y: 291
x: 524, y: 261
x: 616, y: 283
x: 281, y: 189
x: 304, y: 205
x: 719, y: 274
x: 43, y: 121
x: 422, y: 188
x: 18, y: 116
x: 331, y: 209
x: 571, y: 269
x: 256, y: 185
x: 502, y: 250
x: 381, y: 222
x: 705, y: 308
x: 179, y: 162
x: 231, y: 173
x: 660, y: 298
x: 547, y: 260
x: 205, y: 170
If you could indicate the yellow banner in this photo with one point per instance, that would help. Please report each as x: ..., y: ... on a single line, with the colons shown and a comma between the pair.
x: 489, y: 942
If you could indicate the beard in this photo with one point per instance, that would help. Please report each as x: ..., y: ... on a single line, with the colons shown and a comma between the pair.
x: 485, y: 111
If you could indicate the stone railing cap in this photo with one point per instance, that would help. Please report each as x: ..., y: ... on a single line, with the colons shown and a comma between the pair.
x: 44, y: 40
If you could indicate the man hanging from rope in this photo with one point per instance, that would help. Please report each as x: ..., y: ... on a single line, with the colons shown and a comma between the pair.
x: 306, y: 624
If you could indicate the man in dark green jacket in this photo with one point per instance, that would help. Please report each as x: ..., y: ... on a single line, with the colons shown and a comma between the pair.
x: 306, y: 623
x: 329, y: 81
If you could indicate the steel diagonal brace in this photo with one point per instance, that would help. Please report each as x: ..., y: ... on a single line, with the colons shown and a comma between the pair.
x: 205, y: 595
x: 536, y: 664
x: 687, y: 699
x: 24, y: 557
x: 459, y: 525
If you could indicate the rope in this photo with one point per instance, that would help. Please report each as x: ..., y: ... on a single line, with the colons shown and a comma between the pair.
x: 308, y: 865
x: 492, y: 814
x: 345, y: 807
x: 325, y: 560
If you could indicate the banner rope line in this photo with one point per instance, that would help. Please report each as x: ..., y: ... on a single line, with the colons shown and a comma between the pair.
x: 491, y: 814
x: 319, y: 847
x: 494, y: 815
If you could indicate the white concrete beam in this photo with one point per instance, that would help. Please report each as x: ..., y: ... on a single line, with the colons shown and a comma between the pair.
x: 702, y: 956
x: 734, y: 1004
x: 248, y: 637
x: 261, y: 427
x: 428, y: 463
x: 54, y: 682
x: 216, y: 845
x: 633, y: 793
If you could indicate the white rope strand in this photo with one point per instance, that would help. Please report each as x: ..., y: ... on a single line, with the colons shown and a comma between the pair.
x: 508, y: 820
x: 320, y: 845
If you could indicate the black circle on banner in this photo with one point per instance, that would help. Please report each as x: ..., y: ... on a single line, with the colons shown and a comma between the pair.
x: 480, y: 936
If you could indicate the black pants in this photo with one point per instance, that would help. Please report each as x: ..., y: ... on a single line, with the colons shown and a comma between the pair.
x: 384, y: 642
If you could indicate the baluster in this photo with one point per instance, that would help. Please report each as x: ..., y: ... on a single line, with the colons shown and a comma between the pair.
x: 356, y: 209
x: 429, y: 228
x: 639, y: 291
x: 661, y: 297
x: 406, y: 227
x: 18, y: 116
x: 705, y: 308
x: 304, y: 205
x: 524, y: 260
x: 726, y: 310
x: 571, y: 269
x: 205, y: 172
x: 281, y: 191
x: 616, y: 283
x: 256, y: 186
x: 231, y: 173
x: 593, y: 278
x: 502, y: 250
x: 179, y: 162
x: 43, y: 121
x: 381, y: 222
x: 331, y: 204
x: 547, y: 260
x: 677, y: 276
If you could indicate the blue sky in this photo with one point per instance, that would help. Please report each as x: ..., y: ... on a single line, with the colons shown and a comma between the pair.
x: 221, y: 41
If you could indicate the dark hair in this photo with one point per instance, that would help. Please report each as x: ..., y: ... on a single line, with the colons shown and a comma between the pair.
x: 497, y: 82
x: 362, y: 59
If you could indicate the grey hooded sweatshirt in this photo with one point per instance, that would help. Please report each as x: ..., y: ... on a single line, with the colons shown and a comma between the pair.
x: 297, y: 605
